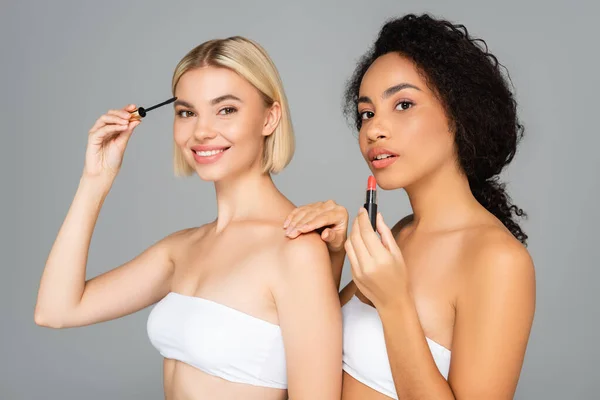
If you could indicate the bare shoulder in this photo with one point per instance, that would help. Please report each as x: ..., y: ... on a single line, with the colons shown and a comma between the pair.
x: 303, y: 266
x: 307, y: 253
x: 495, y: 246
x: 179, y: 239
x: 185, y: 234
x: 492, y: 256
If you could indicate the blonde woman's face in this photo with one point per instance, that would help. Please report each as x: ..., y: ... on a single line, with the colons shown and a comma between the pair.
x: 221, y: 121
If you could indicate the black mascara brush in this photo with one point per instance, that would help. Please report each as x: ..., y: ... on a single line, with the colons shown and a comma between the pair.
x: 141, y: 111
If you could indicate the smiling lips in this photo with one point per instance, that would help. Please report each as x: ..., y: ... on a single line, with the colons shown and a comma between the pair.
x: 381, y: 158
x: 208, y: 154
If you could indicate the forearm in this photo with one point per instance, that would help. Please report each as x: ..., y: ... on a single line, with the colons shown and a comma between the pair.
x: 337, y: 265
x: 415, y: 373
x: 63, y: 280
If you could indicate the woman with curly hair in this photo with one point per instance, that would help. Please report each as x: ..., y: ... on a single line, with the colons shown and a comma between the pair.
x: 441, y: 306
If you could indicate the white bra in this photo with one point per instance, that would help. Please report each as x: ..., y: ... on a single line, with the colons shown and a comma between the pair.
x: 365, y: 356
x: 218, y: 340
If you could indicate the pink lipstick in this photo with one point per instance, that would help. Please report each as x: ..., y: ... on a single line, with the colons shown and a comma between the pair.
x: 381, y: 158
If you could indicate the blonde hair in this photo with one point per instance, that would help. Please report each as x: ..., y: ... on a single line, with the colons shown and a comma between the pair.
x: 249, y: 60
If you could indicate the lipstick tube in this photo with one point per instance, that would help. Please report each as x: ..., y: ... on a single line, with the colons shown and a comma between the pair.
x: 371, y: 201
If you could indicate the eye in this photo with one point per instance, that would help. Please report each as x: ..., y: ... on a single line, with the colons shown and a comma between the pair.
x: 185, y: 113
x: 366, y: 115
x: 404, y: 105
x: 227, y: 110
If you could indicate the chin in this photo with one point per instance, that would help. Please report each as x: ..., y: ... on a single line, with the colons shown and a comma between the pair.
x: 210, y: 174
x: 388, y: 179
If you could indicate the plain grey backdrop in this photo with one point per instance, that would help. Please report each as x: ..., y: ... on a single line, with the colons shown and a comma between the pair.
x: 64, y: 63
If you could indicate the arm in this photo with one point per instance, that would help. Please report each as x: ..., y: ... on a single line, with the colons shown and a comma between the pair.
x: 495, y: 314
x: 347, y: 292
x: 65, y: 299
x: 337, y: 264
x: 310, y: 319
x: 493, y: 320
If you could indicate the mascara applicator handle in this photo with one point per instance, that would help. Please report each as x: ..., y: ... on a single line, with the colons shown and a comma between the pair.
x: 138, y: 114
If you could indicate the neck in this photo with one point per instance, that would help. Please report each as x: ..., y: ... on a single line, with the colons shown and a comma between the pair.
x: 442, y: 200
x: 246, y: 196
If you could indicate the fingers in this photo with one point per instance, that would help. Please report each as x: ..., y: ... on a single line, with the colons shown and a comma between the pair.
x: 119, y: 117
x: 295, y: 217
x: 313, y: 221
x: 355, y: 267
x: 328, y: 235
x: 313, y: 216
x: 113, y: 119
x: 363, y: 256
x: 387, y: 237
x: 126, y: 135
x: 368, y: 235
x: 108, y: 131
x: 124, y: 113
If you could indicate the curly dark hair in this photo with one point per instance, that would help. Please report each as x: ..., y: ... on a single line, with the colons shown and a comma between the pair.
x: 469, y: 82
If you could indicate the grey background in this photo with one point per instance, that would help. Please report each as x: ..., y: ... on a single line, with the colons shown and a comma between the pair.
x: 65, y: 63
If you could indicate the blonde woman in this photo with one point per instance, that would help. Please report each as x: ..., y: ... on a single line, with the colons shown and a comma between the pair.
x: 242, y: 311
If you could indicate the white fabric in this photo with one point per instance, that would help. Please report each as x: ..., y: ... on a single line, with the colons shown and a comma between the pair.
x: 218, y: 340
x: 365, y: 356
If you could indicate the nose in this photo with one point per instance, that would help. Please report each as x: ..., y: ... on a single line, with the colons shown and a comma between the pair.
x: 377, y: 131
x: 203, y: 130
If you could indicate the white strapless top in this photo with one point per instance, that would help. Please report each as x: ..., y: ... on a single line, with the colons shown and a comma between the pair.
x: 218, y: 340
x: 365, y: 355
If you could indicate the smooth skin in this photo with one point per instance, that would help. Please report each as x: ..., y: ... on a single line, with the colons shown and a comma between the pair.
x: 241, y: 260
x: 450, y: 271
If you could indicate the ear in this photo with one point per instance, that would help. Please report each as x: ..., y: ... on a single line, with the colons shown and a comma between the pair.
x: 272, y: 119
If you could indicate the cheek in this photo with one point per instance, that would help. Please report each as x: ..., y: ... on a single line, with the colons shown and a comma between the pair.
x: 181, y: 132
x: 428, y: 138
x: 244, y: 129
x: 363, y: 143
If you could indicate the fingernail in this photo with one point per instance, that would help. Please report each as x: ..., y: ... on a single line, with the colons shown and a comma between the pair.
x: 286, y: 223
x: 325, y: 234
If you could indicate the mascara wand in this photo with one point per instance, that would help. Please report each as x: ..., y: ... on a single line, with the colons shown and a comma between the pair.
x: 141, y: 111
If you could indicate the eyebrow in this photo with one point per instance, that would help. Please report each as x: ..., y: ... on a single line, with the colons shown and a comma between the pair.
x: 213, y: 102
x: 182, y: 103
x: 219, y: 99
x: 389, y: 92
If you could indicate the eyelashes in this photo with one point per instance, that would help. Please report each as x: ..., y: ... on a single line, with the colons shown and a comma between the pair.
x: 189, y: 114
x: 184, y: 114
x: 366, y: 115
x: 401, y: 106
x: 227, y: 110
x: 404, y: 105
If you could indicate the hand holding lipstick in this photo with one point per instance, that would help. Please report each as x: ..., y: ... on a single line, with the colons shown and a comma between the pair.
x: 378, y: 267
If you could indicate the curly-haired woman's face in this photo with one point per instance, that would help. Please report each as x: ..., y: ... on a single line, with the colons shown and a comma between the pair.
x: 405, y: 136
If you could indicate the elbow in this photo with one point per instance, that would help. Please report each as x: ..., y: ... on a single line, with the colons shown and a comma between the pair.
x: 47, y: 320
